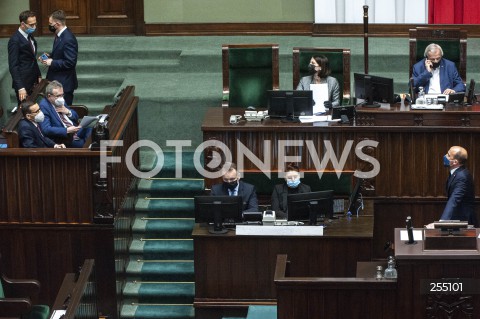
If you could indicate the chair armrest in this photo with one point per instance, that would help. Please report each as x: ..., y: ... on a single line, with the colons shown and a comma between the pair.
x: 81, y: 110
x: 14, y: 307
x: 20, y: 288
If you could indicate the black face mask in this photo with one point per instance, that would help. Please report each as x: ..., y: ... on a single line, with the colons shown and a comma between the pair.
x: 52, y: 28
x: 231, y: 185
x: 311, y: 68
x: 435, y: 65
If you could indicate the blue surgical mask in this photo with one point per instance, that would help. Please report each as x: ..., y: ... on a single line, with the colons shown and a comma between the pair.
x: 446, y: 161
x: 30, y: 30
x: 293, y: 183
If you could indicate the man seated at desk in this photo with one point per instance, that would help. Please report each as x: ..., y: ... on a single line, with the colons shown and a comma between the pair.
x: 233, y: 186
x: 436, y: 74
x: 61, y: 122
x: 292, y: 185
x: 29, y: 131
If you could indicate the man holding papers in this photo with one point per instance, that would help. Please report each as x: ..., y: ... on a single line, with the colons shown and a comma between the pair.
x: 61, y: 122
x: 326, y: 90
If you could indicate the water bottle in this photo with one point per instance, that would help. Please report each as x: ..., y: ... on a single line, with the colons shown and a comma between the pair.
x: 390, y: 271
x: 421, y: 97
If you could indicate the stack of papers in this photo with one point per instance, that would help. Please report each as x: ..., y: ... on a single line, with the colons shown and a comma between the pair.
x: 317, y: 118
x: 427, y: 107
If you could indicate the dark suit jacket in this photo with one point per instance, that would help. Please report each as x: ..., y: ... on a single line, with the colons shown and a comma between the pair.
x: 30, y: 137
x: 461, y: 197
x: 279, y: 197
x: 53, y: 126
x: 22, y: 62
x: 247, y: 191
x: 64, y: 55
x: 449, y: 77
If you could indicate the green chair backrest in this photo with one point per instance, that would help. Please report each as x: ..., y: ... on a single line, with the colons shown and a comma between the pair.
x: 250, y: 76
x: 335, y: 60
x: 2, y: 294
x: 451, y: 49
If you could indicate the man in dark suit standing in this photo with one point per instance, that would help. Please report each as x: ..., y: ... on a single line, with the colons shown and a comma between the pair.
x: 22, y: 61
x: 233, y: 186
x: 63, y: 59
x: 460, y: 188
x: 29, y: 131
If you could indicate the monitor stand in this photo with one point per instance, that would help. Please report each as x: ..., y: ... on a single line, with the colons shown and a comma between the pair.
x: 290, y: 119
x: 370, y: 104
x: 217, y: 227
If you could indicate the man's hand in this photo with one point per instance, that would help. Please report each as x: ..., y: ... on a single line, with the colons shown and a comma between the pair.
x: 22, y: 94
x: 47, y: 62
x: 73, y: 129
x: 428, y: 65
x: 62, y: 109
x: 59, y: 146
x: 448, y: 91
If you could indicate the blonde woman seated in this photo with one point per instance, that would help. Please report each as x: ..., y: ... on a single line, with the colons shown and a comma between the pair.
x: 292, y: 185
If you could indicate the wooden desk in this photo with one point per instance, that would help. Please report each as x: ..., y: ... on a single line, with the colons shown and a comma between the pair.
x: 414, y: 265
x: 410, y: 145
x: 234, y: 271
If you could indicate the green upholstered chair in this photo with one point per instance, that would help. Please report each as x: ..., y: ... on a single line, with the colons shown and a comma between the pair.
x: 15, y: 301
x: 452, y: 40
x: 249, y: 70
x: 339, y: 60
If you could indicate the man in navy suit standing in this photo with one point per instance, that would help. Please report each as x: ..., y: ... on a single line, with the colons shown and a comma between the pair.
x: 436, y: 74
x: 29, y: 131
x: 460, y: 188
x: 63, y: 59
x: 233, y: 186
x: 22, y: 61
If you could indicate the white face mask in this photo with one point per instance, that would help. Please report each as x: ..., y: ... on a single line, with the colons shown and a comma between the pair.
x: 60, y: 101
x: 39, y: 117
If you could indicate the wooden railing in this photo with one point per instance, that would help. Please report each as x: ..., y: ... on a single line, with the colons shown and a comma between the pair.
x: 78, y: 294
x: 64, y: 185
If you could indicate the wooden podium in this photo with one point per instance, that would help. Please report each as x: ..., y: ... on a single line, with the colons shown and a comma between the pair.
x: 421, y: 271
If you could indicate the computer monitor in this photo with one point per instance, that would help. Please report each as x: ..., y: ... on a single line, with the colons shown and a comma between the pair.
x: 289, y: 104
x: 214, y: 210
x: 310, y: 206
x: 471, y: 92
x: 354, y: 196
x: 373, y: 89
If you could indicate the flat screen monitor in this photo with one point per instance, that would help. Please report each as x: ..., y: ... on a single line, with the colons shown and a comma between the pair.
x: 471, y: 92
x: 216, y: 210
x: 354, y: 196
x: 373, y: 89
x: 289, y: 104
x: 310, y: 206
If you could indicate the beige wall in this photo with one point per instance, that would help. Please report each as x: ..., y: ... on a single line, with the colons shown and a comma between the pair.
x: 10, y: 10
x: 201, y: 11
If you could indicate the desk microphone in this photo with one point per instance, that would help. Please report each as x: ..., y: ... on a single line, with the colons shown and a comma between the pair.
x: 410, y: 231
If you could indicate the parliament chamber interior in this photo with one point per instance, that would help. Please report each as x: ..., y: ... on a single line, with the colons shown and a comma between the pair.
x: 132, y: 224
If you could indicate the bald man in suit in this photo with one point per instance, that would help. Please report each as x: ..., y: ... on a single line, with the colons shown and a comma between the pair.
x: 460, y: 188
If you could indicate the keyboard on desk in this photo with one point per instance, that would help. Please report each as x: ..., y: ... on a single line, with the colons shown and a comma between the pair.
x: 427, y: 106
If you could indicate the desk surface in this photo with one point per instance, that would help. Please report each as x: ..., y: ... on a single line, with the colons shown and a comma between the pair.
x: 353, y: 227
x: 389, y: 117
x: 416, y: 251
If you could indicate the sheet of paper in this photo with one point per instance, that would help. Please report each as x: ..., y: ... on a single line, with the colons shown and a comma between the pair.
x: 315, y: 118
x: 57, y: 314
x: 252, y: 230
x: 417, y: 235
x: 89, y: 121
x: 320, y: 95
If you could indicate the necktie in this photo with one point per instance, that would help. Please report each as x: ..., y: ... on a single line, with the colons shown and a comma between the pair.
x: 64, y: 120
x: 55, y: 41
x: 29, y: 38
x: 39, y: 130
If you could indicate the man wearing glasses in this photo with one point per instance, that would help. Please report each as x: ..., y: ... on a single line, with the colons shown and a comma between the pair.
x: 233, y: 186
x: 29, y: 131
x: 22, y: 61
x: 61, y: 122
